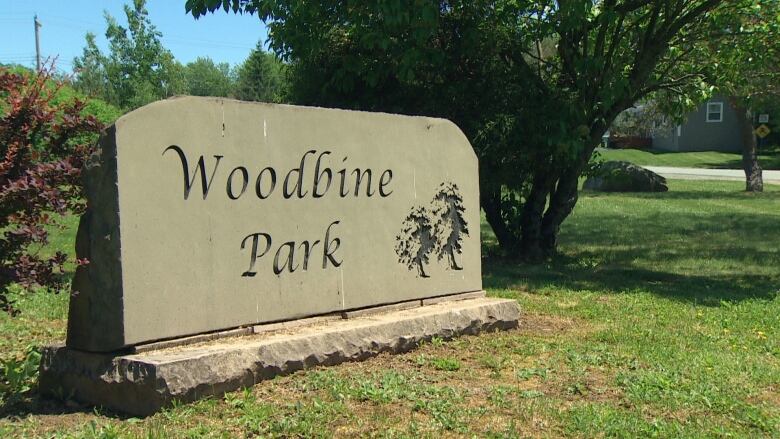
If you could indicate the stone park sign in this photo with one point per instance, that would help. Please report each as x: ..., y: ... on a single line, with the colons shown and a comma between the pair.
x: 226, y: 213
x: 208, y: 214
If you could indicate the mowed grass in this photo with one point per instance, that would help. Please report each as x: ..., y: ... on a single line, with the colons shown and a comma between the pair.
x: 660, y: 318
x: 768, y: 159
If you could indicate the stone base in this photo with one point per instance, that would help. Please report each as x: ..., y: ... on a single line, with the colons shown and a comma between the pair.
x: 142, y: 383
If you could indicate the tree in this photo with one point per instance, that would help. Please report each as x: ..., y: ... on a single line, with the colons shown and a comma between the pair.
x: 533, y: 84
x: 137, y: 69
x: 43, y: 145
x: 450, y: 225
x: 90, y: 72
x: 747, y: 70
x: 415, y: 242
x: 261, y: 78
x: 206, y: 78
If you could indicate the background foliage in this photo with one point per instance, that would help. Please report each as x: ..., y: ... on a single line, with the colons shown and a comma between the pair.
x: 45, y: 136
x: 533, y: 84
x: 138, y: 69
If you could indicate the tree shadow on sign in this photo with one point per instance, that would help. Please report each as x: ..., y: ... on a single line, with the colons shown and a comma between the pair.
x: 698, y: 257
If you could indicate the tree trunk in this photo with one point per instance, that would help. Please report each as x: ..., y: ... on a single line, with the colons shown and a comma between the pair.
x: 540, y: 221
x: 754, y: 181
x: 562, y: 203
x: 533, y: 211
x: 491, y: 203
x: 566, y: 194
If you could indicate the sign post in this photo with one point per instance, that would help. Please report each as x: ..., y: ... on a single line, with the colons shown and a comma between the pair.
x: 762, y: 131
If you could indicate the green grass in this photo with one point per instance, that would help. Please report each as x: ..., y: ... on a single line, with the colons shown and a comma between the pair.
x: 769, y: 159
x: 661, y: 318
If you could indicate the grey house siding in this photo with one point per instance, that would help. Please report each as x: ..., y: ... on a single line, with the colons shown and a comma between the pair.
x: 696, y: 134
x: 667, y: 140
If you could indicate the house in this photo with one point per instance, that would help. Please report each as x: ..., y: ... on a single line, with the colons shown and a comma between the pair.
x: 712, y: 127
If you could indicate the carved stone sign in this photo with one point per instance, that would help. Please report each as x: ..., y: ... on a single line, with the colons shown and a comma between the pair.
x: 208, y: 214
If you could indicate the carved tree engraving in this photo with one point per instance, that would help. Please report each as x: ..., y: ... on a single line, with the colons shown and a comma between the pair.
x: 416, y: 240
x: 449, y: 223
x: 440, y: 228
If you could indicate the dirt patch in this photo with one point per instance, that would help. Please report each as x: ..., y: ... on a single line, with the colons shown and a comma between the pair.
x: 47, y: 417
x: 769, y: 396
x: 46, y: 424
x: 547, y: 325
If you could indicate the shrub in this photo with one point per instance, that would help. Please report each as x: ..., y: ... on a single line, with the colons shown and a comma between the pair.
x: 43, y: 144
x: 19, y: 375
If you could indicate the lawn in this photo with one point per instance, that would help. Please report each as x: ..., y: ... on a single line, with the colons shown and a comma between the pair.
x: 769, y: 159
x: 661, y: 317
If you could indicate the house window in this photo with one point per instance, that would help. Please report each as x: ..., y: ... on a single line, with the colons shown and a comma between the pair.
x: 679, y: 130
x: 715, y: 112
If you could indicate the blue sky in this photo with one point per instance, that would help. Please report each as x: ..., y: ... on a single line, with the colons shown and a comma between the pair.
x: 220, y: 36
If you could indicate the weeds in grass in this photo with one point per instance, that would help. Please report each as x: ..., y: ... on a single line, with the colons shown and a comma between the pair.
x: 108, y: 431
x: 529, y: 394
x: 530, y: 372
x: 445, y: 363
x: 495, y: 363
x: 19, y: 376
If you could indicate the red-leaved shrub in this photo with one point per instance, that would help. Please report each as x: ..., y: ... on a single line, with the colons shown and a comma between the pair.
x: 42, y: 151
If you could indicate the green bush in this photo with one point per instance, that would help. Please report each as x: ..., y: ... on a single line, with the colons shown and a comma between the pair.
x: 46, y: 132
x: 19, y: 375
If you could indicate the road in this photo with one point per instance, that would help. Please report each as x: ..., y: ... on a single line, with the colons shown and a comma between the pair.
x: 772, y: 177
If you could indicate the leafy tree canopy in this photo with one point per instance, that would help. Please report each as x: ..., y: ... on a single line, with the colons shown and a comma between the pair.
x: 745, y: 60
x: 744, y: 65
x: 204, y: 77
x: 534, y: 84
x: 137, y: 68
x: 262, y: 77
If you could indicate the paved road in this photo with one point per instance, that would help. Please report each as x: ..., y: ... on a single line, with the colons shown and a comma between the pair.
x: 710, y: 174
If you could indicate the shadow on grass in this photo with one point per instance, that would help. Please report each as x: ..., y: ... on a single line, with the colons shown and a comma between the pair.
x: 568, y: 273
x: 698, y: 256
x: 768, y: 162
x: 34, y: 404
x: 652, y: 151
x: 735, y: 195
x: 768, y: 157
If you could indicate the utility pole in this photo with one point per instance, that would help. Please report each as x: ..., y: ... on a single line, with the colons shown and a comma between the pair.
x: 37, y: 43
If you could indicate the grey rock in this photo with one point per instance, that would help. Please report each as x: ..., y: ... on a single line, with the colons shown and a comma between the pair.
x: 462, y: 296
x: 94, y: 300
x: 618, y: 176
x: 143, y: 383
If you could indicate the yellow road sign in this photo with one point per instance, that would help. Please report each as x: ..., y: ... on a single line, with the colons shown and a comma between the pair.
x: 763, y: 131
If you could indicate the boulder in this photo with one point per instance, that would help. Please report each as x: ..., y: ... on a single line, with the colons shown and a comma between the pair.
x: 618, y: 176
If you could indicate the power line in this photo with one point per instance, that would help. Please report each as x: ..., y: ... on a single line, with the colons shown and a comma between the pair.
x: 84, y: 25
x: 71, y: 20
x: 202, y: 43
x: 67, y: 26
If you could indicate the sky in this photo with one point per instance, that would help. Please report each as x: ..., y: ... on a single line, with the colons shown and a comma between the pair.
x: 222, y: 37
